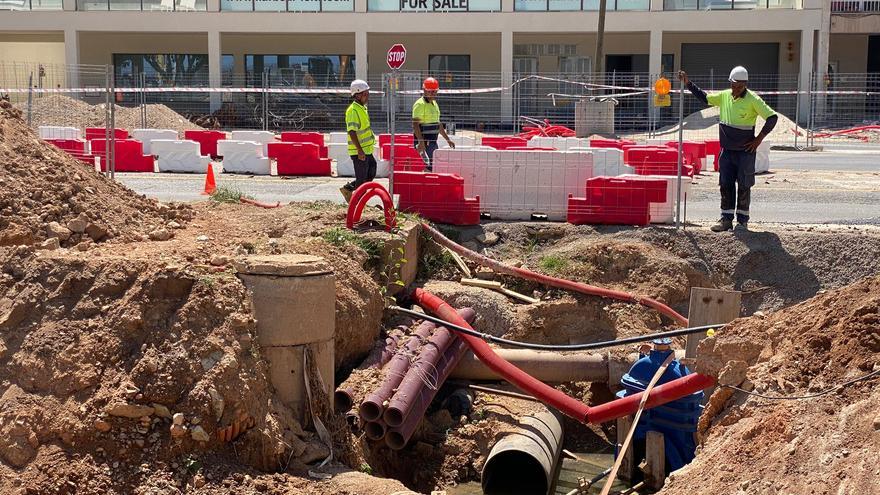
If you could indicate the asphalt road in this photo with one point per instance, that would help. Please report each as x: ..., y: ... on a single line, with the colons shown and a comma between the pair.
x: 841, y: 187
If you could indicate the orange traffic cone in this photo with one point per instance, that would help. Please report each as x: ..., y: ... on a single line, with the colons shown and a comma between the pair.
x: 210, y: 183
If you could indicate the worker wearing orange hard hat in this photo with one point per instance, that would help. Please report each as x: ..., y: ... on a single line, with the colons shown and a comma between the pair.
x: 426, y: 122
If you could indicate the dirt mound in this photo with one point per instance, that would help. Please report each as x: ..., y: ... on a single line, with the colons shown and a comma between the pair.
x: 703, y: 123
x: 821, y: 445
x: 60, y: 110
x: 46, y: 194
x: 96, y: 356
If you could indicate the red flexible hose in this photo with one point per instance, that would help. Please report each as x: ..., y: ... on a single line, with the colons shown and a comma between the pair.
x: 553, y: 281
x: 359, y: 200
x: 568, y: 405
x: 248, y: 201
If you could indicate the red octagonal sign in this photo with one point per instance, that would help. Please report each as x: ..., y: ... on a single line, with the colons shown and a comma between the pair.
x: 396, y: 56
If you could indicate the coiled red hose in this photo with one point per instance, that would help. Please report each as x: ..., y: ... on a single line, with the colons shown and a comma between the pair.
x: 554, y: 281
x: 569, y: 406
x: 253, y: 202
x: 359, y: 200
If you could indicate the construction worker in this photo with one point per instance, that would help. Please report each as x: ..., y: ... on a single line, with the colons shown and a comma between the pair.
x: 426, y: 122
x: 736, y: 166
x: 360, y: 138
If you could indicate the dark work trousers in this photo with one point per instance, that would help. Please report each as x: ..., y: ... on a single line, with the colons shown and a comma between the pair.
x: 364, y: 171
x: 736, y: 178
x: 430, y: 148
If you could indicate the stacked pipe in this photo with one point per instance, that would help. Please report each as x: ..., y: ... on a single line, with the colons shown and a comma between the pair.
x: 411, y: 379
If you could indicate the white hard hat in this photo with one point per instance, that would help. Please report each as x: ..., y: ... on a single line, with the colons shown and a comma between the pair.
x: 359, y: 86
x: 739, y: 73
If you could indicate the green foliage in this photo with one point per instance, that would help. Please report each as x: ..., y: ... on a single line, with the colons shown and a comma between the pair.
x: 435, y: 263
x: 340, y: 236
x: 319, y: 205
x: 225, y: 194
x: 365, y: 468
x: 552, y: 263
x: 192, y: 464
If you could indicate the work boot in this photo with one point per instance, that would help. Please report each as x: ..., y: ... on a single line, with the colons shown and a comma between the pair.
x: 346, y: 193
x: 741, y: 227
x: 723, y: 225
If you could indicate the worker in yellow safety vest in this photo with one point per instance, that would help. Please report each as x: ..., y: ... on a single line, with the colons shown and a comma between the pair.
x: 740, y: 109
x: 426, y: 122
x: 360, y: 138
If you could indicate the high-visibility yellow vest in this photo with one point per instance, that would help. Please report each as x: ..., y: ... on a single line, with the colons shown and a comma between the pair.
x: 428, y: 115
x: 357, y: 119
x: 740, y: 113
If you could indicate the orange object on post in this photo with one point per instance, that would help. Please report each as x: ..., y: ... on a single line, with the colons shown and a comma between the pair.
x: 210, y: 182
x: 662, y: 86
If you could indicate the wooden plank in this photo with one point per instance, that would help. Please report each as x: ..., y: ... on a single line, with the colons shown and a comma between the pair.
x: 708, y: 307
x: 655, y: 457
x: 496, y: 286
x: 460, y: 263
x: 627, y: 467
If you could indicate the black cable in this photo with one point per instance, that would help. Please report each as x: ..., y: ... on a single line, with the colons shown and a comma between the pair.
x: 811, y: 396
x: 549, y: 347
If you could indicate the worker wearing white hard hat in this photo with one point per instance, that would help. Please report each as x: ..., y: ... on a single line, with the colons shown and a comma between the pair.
x: 739, y: 110
x: 360, y: 138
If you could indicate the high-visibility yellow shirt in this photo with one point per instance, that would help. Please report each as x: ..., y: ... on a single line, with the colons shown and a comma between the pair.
x: 357, y: 119
x: 428, y: 115
x: 741, y: 113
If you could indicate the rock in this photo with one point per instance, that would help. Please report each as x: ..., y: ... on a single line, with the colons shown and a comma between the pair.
x: 83, y: 246
x: 219, y: 260
x: 488, y: 238
x: 55, y: 229
x: 877, y: 423
x: 96, y: 232
x: 203, y: 238
x: 198, y: 481
x: 199, y: 434
x: 177, y: 431
x: 102, y: 425
x: 50, y: 244
x: 126, y: 410
x: 161, y: 411
x: 484, y: 274
x: 173, y: 225
x: 217, y: 403
x: 733, y: 373
x: 78, y: 224
x: 160, y: 235
x: 178, y: 418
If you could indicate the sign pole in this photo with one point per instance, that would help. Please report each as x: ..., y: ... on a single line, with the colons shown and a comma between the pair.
x: 395, y: 59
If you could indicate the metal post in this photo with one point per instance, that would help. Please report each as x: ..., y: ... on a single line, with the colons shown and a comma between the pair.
x: 265, y: 99
x: 680, y: 154
x: 107, y: 132
x: 797, y: 111
x: 111, y: 145
x: 392, y: 90
x: 812, y: 119
x: 30, y: 100
x: 143, y: 81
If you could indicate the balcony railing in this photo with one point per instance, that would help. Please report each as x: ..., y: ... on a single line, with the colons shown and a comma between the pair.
x: 161, y: 5
x: 30, y: 5
x: 855, y: 6
x: 729, y: 4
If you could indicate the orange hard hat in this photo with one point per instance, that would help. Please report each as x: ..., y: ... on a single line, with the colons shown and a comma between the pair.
x: 430, y: 84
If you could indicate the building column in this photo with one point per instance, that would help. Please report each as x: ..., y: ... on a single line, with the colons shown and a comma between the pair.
x: 656, y: 5
x: 655, y: 52
x: 213, y: 6
x: 68, y: 5
x: 360, y: 55
x: 507, y: 76
x: 822, y: 54
x: 71, y: 57
x: 806, y: 69
x: 215, y: 68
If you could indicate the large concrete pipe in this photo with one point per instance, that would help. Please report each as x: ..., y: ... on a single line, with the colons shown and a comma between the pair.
x: 525, y: 460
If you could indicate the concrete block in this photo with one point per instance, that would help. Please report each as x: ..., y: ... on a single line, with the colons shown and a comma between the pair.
x: 286, y: 373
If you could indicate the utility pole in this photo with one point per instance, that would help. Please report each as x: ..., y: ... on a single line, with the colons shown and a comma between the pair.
x: 599, y: 66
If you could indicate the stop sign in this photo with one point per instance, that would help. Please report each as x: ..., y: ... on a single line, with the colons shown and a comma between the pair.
x: 396, y: 56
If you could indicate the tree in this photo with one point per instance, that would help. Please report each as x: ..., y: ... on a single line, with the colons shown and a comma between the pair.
x: 176, y: 68
x: 599, y: 66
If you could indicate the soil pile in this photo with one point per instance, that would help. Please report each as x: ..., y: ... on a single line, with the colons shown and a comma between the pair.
x: 704, y: 123
x: 47, y: 196
x: 828, y: 444
x: 61, y: 110
x: 99, y: 357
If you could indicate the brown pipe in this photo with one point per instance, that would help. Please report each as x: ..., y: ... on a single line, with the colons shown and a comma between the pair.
x: 378, y: 356
x: 423, y: 373
x: 525, y: 461
x: 375, y: 430
x: 397, y: 437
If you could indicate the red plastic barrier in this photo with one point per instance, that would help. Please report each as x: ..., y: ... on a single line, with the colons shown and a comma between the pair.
x: 535, y: 148
x: 299, y: 159
x: 693, y: 153
x: 638, y: 154
x: 504, y: 142
x: 207, y: 140
x: 406, y: 158
x: 611, y: 143
x: 101, y: 133
x: 306, y: 137
x: 617, y: 201
x: 713, y: 147
x: 399, y: 139
x: 438, y: 197
x: 73, y: 147
x: 128, y: 155
x: 657, y: 161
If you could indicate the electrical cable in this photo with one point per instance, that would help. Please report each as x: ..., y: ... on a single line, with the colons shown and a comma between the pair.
x: 551, y: 347
x: 811, y: 396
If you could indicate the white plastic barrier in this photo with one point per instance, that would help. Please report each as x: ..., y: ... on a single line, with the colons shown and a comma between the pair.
x: 762, y: 161
x: 57, y: 132
x: 560, y: 143
x: 147, y: 136
x: 344, y: 167
x: 243, y: 157
x: 458, y: 140
x: 338, y: 138
x: 262, y: 137
x: 665, y: 212
x: 606, y: 161
x: 514, y: 185
x: 181, y: 156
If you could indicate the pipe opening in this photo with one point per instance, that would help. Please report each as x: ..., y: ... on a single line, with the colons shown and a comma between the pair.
x: 514, y: 472
x: 342, y: 401
x: 393, y: 417
x: 395, y: 440
x: 370, y: 411
x: 374, y: 430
